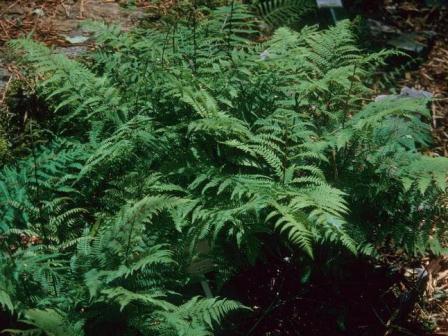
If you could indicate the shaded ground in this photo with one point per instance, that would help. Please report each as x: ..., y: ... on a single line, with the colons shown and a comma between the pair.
x: 337, y: 295
x: 52, y: 20
x: 57, y: 23
x: 356, y: 301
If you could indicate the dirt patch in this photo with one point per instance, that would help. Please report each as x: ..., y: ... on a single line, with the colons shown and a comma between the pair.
x: 51, y: 21
x: 346, y: 296
x: 58, y: 23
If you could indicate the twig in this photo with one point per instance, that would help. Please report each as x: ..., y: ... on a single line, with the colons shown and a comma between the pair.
x: 265, y: 313
x: 81, y: 9
x: 9, y: 7
x: 5, y: 30
x: 434, y: 116
x: 441, y: 275
x: 67, y: 11
x: 391, y: 326
x: 441, y: 307
x: 5, y: 90
x: 195, y: 46
x: 267, y: 310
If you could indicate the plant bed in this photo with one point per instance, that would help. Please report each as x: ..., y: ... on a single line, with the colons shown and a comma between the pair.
x: 166, y: 161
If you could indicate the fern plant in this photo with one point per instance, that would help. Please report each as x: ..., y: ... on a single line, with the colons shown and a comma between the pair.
x: 173, y: 145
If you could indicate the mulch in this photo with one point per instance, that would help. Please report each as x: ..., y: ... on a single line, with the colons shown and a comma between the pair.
x: 49, y: 20
x: 53, y: 22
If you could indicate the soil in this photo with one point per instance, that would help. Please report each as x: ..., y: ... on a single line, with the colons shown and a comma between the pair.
x: 58, y: 23
x: 51, y: 20
x: 355, y: 298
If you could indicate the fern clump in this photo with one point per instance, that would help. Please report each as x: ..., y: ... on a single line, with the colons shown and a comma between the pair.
x: 171, y: 146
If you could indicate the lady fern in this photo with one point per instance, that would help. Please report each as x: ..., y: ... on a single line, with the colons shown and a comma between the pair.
x: 179, y: 144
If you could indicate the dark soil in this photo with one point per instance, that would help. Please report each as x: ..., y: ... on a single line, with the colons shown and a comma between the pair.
x: 340, y: 295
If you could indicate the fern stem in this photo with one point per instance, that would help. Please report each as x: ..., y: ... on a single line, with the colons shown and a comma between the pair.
x: 54, y: 285
x: 128, y: 245
x: 344, y: 119
x: 165, y: 43
x: 347, y: 101
x: 285, y: 151
x: 195, y: 46
x: 37, y: 192
x: 206, y: 288
x: 141, y: 87
x: 173, y: 38
x: 335, y: 165
x: 229, y: 33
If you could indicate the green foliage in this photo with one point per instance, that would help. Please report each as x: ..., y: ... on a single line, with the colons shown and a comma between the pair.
x: 191, y: 317
x: 171, y: 146
x: 283, y: 12
x: 3, y: 145
x: 47, y: 322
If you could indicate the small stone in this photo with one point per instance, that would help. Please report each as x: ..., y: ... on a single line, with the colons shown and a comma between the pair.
x: 384, y: 97
x: 39, y: 12
x: 414, y: 93
x: 408, y: 42
x: 378, y: 28
x: 405, y: 93
x: 264, y: 55
x: 78, y: 39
